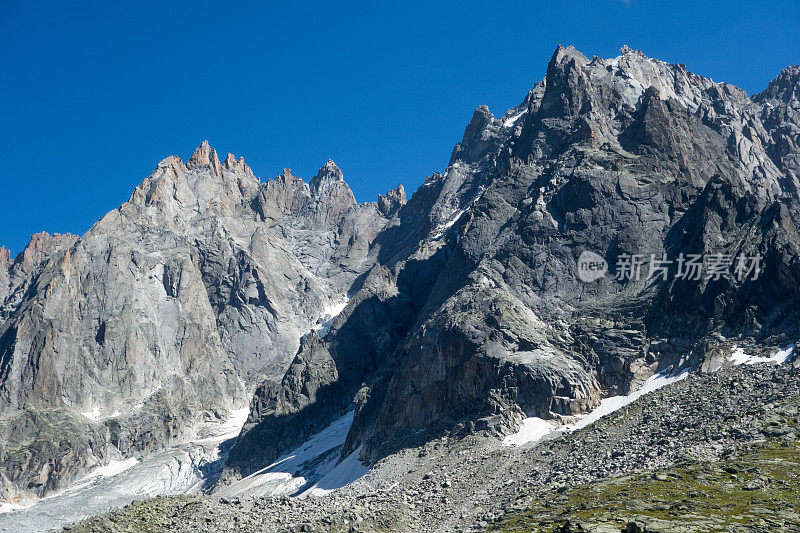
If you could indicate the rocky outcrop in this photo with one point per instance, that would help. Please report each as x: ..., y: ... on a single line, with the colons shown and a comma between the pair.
x: 465, y: 308
x: 170, y: 310
x: 5, y: 264
x: 392, y: 201
x: 15, y: 273
x: 620, y: 157
x: 330, y: 195
x: 38, y: 250
x: 780, y: 115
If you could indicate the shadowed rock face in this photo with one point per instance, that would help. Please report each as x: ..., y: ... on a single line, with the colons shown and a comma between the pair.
x: 168, y: 312
x: 477, y: 273
x: 465, y: 308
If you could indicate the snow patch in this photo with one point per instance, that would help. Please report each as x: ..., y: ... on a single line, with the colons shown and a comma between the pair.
x: 10, y: 507
x: 309, y: 469
x: 534, y: 429
x: 342, y: 474
x: 215, y: 431
x: 182, y: 469
x: 329, y: 314
x: 738, y: 357
x: 615, y: 403
x: 111, y: 469
x: 93, y: 414
x: 456, y: 215
x: 510, y: 121
x: 449, y: 224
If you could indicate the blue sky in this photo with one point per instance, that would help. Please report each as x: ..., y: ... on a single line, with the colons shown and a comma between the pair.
x: 94, y: 94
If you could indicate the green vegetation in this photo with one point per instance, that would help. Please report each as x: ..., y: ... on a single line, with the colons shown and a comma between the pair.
x: 149, y: 516
x: 754, y: 487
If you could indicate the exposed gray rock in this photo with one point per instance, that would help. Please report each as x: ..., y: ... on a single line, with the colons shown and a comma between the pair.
x: 477, y: 272
x: 37, y: 251
x: 629, y: 155
x: 5, y: 264
x: 465, y: 310
x: 394, y: 200
x: 172, y: 308
x: 15, y: 274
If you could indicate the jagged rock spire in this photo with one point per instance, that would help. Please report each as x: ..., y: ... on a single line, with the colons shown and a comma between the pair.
x: 331, y: 196
x: 786, y: 87
x: 204, y: 155
x: 328, y: 174
x: 233, y: 164
x: 286, y: 175
x: 41, y: 246
x: 393, y: 200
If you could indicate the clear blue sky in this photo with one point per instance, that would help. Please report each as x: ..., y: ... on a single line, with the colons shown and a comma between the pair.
x: 93, y: 95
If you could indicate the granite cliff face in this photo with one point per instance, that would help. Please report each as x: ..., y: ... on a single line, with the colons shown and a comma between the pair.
x: 14, y: 273
x: 622, y: 156
x: 475, y: 317
x: 5, y: 263
x: 167, y: 312
x: 462, y: 309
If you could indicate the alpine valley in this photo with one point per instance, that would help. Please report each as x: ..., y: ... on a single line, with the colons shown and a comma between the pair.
x: 222, y: 353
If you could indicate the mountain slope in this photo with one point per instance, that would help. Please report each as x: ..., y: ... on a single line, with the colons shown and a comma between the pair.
x: 490, y: 320
x: 461, y: 311
x: 168, y: 311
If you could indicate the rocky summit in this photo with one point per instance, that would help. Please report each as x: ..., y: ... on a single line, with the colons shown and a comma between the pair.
x: 442, y: 361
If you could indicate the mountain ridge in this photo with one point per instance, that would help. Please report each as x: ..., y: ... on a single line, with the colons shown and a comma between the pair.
x: 146, y: 279
x: 465, y: 313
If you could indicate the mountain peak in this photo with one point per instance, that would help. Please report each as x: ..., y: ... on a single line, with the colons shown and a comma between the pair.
x: 393, y: 200
x: 330, y: 195
x: 332, y: 169
x: 564, y: 54
x: 205, y: 155
x: 286, y: 174
x: 481, y: 117
x: 5, y: 257
x: 171, y: 161
x: 627, y: 50
x: 327, y: 175
x: 231, y: 163
x: 41, y: 246
x: 786, y: 87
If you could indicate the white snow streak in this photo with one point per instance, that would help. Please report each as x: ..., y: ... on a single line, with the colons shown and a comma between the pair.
x: 456, y: 215
x: 614, y: 403
x: 534, y: 429
x: 7, y: 507
x: 324, y: 323
x: 342, y: 474
x: 738, y: 357
x: 510, y: 122
x: 449, y: 224
x: 312, y: 463
x: 111, y: 469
